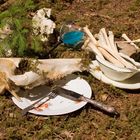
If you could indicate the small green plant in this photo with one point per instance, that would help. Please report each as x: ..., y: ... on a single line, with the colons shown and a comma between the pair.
x: 21, y: 41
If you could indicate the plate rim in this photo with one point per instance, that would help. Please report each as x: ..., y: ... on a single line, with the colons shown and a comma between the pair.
x: 68, y: 109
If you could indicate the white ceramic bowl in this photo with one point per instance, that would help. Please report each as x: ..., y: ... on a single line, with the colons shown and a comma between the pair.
x: 114, y: 72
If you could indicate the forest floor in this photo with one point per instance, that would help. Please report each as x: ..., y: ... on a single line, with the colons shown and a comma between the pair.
x: 87, y: 123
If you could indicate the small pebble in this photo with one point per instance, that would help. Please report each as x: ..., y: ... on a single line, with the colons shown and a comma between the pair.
x: 104, y: 97
x: 11, y: 115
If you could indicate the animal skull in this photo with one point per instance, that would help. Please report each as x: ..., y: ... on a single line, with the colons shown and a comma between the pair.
x: 40, y: 71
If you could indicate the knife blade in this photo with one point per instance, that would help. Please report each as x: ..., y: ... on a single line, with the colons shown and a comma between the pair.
x: 78, y: 97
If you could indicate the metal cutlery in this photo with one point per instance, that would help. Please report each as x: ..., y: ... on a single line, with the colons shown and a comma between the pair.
x: 72, y: 96
x: 49, y: 96
x: 78, y: 97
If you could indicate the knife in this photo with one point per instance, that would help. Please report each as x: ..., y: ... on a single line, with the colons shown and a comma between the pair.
x: 78, y: 97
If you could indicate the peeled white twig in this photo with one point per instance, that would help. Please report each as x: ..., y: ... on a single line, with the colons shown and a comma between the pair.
x: 105, y: 38
x: 94, y: 49
x: 134, y: 41
x: 108, y: 41
x: 15, y: 95
x: 111, y: 40
x: 104, y: 43
x: 110, y: 58
x: 93, y: 44
x: 86, y: 44
x: 87, y: 31
x: 137, y: 64
x: 129, y: 40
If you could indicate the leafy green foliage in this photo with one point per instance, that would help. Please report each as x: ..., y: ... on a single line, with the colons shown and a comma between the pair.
x: 21, y: 39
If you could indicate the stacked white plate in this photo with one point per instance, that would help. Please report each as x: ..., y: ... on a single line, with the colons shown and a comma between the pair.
x: 130, y: 83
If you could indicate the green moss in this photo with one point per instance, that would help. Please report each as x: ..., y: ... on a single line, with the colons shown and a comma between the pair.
x: 135, y: 6
x: 86, y: 123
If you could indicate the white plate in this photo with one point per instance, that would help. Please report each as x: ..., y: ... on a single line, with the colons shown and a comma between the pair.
x: 58, y: 105
x: 131, y: 83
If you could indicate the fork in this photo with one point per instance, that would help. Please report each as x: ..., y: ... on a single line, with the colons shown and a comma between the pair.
x: 49, y: 96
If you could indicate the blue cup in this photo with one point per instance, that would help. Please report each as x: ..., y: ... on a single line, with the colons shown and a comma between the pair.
x: 73, y: 39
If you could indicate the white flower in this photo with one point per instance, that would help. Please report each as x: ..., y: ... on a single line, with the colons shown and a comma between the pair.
x: 42, y: 25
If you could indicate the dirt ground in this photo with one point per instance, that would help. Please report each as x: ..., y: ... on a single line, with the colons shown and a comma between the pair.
x: 120, y: 16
